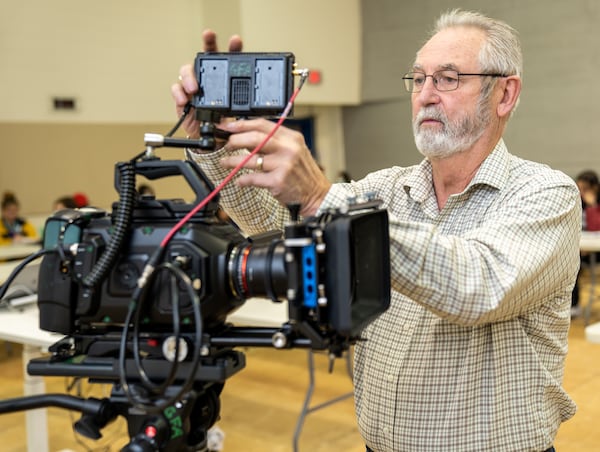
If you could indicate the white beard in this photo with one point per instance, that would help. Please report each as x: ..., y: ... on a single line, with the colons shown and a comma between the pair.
x: 455, y: 136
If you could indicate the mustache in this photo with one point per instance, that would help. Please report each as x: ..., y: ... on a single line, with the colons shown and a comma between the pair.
x: 431, y: 113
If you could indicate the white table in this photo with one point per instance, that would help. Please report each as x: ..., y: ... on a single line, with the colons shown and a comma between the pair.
x: 260, y: 312
x: 18, y: 251
x: 592, y: 333
x: 6, y: 268
x: 22, y: 326
x: 590, y: 243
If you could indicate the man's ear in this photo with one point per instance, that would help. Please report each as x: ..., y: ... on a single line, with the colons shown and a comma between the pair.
x: 511, y: 88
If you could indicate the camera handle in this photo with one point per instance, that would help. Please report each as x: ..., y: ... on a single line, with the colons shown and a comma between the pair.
x: 96, y: 413
x: 155, y: 169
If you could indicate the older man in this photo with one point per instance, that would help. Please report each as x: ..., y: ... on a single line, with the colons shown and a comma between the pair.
x: 484, y: 253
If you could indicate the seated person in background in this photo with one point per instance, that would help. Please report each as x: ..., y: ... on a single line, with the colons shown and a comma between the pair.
x: 589, y: 189
x: 81, y: 200
x: 13, y: 228
x: 145, y: 190
x: 64, y: 202
x: 344, y: 176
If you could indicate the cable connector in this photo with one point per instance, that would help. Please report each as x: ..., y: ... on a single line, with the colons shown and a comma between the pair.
x: 301, y: 72
x: 150, y: 266
x: 146, y: 273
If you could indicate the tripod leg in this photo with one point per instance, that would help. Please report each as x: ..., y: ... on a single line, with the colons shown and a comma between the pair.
x: 306, y: 406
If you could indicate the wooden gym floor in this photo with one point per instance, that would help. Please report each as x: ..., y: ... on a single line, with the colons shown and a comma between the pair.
x: 260, y: 405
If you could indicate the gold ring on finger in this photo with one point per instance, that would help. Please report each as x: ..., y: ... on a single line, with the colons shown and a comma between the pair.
x: 259, y: 162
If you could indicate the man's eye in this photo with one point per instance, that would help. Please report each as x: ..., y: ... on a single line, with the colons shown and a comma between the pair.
x: 446, y: 79
x: 418, y: 80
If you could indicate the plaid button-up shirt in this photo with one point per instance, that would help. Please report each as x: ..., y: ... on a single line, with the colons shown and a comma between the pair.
x: 470, y: 354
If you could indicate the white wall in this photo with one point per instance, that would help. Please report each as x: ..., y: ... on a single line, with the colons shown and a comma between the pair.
x: 119, y: 58
x: 323, y: 34
x: 116, y: 58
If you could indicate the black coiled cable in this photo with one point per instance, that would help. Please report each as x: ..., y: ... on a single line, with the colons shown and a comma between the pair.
x: 122, y: 225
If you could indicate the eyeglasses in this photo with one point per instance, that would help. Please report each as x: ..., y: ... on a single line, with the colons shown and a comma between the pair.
x: 446, y: 80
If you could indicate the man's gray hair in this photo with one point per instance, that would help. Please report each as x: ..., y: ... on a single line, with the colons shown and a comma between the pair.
x: 501, y: 53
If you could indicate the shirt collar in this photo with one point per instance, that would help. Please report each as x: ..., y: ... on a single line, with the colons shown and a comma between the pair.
x: 493, y: 172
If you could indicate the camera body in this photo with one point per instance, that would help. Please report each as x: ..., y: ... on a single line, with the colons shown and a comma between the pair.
x: 67, y: 306
x: 332, y: 270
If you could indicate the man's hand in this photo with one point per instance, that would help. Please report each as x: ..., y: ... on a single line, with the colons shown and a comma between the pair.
x: 285, y: 165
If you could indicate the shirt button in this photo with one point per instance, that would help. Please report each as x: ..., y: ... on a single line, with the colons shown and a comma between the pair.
x: 386, y: 431
x: 389, y: 377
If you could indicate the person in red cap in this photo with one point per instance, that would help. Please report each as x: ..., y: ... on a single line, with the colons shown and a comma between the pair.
x: 81, y: 200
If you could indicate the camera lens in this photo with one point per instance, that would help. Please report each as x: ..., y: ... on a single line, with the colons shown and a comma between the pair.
x: 259, y: 271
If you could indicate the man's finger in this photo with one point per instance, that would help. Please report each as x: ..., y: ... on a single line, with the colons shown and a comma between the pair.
x: 210, y: 40
x: 235, y: 43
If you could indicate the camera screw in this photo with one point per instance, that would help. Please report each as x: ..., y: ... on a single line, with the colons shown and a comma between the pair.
x: 322, y: 300
x: 279, y: 340
x: 197, y: 283
x: 291, y: 294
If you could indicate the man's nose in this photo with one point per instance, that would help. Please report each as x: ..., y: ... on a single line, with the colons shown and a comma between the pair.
x: 428, y: 94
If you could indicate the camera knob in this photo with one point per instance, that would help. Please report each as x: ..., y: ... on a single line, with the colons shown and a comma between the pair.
x: 279, y: 340
x: 169, y: 347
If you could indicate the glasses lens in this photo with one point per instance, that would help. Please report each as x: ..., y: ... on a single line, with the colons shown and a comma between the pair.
x: 414, y: 81
x: 442, y: 80
x: 445, y: 80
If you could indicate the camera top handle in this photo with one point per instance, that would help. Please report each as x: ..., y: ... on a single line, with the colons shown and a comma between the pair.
x: 156, y: 169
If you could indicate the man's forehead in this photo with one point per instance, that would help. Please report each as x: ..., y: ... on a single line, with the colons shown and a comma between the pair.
x: 452, y: 48
x: 439, y: 67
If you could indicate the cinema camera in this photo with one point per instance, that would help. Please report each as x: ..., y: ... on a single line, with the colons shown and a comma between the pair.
x: 148, y: 313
